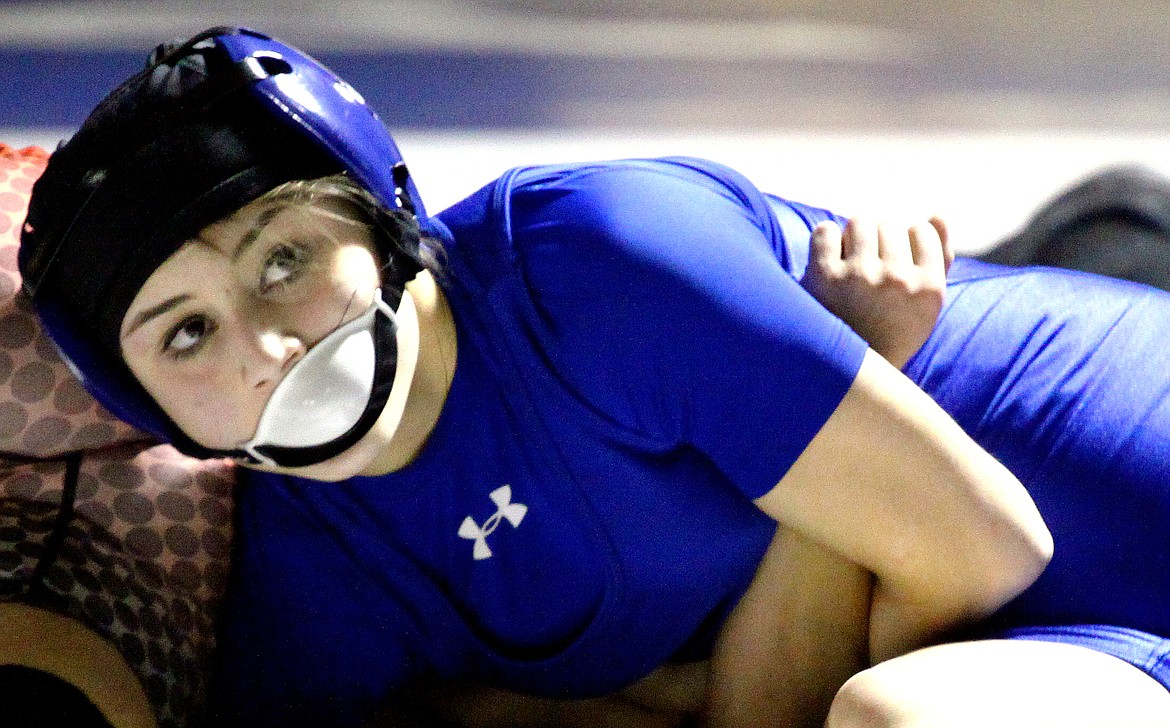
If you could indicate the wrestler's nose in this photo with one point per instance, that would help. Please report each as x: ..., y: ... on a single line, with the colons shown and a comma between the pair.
x: 273, y: 354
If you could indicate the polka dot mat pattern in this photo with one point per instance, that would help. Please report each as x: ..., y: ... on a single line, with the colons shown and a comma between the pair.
x: 144, y: 559
x: 44, y: 411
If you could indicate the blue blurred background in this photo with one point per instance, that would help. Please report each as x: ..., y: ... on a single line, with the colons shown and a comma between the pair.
x: 977, y: 110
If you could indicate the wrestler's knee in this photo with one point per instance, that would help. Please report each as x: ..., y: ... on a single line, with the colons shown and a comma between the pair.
x: 873, y: 698
x: 1004, y: 683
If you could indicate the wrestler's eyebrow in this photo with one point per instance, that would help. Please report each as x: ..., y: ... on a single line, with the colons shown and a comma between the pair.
x: 250, y: 237
x: 154, y: 312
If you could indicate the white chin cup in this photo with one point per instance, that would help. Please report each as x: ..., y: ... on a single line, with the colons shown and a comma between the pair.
x: 323, y: 395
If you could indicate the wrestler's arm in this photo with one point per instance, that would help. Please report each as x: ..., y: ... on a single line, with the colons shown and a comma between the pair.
x: 815, y: 614
x: 798, y: 633
x: 810, y: 616
x: 889, y: 490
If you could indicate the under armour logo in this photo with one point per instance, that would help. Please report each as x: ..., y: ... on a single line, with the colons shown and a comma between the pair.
x: 505, y: 509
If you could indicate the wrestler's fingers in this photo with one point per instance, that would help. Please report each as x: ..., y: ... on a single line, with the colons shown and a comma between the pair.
x: 860, y: 240
x: 927, y: 247
x: 894, y: 246
x: 825, y: 245
x: 944, y: 235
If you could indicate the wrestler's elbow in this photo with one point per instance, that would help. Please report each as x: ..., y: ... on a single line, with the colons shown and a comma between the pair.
x: 1020, y: 546
x: 990, y: 554
x: 968, y: 581
x: 1003, y: 558
x: 1037, y: 549
x: 996, y: 544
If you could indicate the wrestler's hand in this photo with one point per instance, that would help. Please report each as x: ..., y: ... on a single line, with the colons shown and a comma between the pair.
x: 887, y: 283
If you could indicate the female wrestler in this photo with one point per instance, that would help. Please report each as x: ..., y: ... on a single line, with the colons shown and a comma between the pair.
x: 563, y: 458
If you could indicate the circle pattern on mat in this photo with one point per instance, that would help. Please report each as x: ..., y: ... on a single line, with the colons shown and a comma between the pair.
x: 44, y: 411
x: 144, y: 560
x: 147, y: 573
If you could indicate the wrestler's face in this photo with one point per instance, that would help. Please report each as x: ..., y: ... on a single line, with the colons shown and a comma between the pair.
x: 216, y: 327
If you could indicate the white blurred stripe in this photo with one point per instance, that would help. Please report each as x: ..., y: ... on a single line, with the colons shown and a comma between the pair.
x: 434, y: 24
x: 986, y: 185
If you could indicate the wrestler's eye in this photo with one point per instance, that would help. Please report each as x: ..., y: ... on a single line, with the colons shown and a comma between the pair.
x: 185, y: 338
x: 283, y: 265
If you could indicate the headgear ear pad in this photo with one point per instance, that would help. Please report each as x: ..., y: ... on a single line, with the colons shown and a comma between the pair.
x: 203, y: 130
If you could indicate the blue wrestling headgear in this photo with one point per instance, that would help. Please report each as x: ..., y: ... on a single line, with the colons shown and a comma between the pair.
x: 211, y: 124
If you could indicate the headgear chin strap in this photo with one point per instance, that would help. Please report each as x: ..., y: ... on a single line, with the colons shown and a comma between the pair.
x: 356, y: 376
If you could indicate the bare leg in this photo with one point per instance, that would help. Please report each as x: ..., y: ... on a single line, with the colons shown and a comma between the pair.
x: 1003, y: 683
